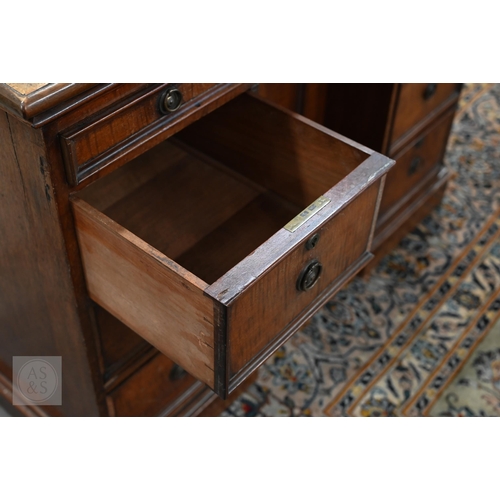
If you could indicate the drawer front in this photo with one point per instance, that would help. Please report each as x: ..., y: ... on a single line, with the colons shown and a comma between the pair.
x: 416, y: 101
x: 150, y: 390
x: 87, y: 149
x: 220, y: 332
x: 265, y: 314
x: 414, y: 163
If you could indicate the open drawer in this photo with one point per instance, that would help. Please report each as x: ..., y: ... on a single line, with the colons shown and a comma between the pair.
x: 204, y: 245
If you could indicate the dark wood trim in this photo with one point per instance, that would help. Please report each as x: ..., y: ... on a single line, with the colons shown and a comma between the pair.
x: 221, y: 371
x: 375, y: 214
x: 301, y: 97
x: 391, y: 114
x: 217, y: 405
x: 292, y: 327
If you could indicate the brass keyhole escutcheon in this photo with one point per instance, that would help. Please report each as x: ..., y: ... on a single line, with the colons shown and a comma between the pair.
x: 171, y: 100
x: 312, y: 241
x: 309, y: 276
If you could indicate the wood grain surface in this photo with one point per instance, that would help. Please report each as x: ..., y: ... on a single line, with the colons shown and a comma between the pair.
x: 38, y: 307
x: 210, y: 207
x: 150, y: 390
x: 26, y: 88
x: 120, y: 133
x: 281, y: 150
x: 272, y: 301
x: 362, y: 111
x: 414, y: 163
x: 413, y: 106
x: 28, y: 100
x: 415, y: 208
x: 84, y: 143
x: 147, y: 291
x: 186, y: 201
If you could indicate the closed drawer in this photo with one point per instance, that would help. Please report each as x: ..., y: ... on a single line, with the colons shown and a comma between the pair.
x: 418, y: 100
x: 90, y: 146
x: 414, y: 163
x: 150, y: 390
x: 191, y: 245
x: 119, y: 345
x: 411, y: 210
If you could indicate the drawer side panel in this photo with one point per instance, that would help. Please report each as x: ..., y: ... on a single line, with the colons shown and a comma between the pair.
x: 149, y: 293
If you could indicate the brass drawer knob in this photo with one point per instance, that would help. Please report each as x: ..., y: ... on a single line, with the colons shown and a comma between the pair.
x: 171, y: 100
x: 309, y: 276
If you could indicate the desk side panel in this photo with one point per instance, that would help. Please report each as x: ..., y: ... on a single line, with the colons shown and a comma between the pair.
x: 38, y: 310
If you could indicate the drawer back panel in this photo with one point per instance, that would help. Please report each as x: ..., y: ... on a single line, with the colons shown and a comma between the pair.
x: 276, y: 148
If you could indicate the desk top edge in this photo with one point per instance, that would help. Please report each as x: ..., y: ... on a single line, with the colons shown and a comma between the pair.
x: 30, y: 99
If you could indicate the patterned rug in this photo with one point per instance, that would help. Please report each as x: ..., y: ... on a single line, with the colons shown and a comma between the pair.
x: 421, y: 335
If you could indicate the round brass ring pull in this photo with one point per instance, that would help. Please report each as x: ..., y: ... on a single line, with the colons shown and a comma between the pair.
x: 171, y: 100
x: 309, y: 276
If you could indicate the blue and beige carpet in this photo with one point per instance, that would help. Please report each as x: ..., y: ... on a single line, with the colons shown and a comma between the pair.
x: 420, y: 336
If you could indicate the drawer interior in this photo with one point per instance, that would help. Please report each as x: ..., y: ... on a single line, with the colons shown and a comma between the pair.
x: 198, y: 213
x: 213, y: 194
